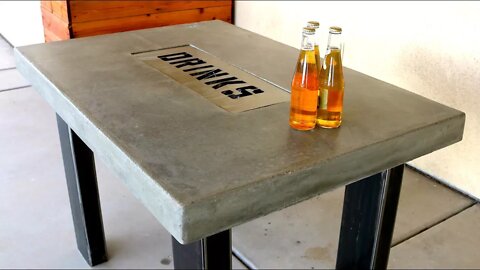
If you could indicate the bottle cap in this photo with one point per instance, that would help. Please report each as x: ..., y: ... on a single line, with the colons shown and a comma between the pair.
x: 313, y: 24
x: 335, y: 30
x: 308, y: 30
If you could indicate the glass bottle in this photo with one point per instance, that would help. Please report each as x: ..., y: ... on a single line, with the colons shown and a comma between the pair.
x: 304, y: 94
x: 316, y: 25
x: 332, y: 84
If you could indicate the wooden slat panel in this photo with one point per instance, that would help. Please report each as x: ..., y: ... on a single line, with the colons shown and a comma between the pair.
x: 153, y: 20
x: 49, y: 36
x: 59, y: 8
x: 46, y: 5
x: 84, y: 11
x: 54, y: 27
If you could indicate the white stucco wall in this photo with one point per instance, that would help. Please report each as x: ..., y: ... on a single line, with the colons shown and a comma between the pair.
x: 21, y: 22
x: 430, y: 48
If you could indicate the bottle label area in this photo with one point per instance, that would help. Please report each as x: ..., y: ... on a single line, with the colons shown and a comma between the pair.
x: 223, y: 84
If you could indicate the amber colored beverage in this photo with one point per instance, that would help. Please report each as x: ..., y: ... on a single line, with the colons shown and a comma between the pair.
x: 316, y: 25
x: 304, y: 95
x: 330, y: 105
x: 332, y: 84
x: 317, y: 57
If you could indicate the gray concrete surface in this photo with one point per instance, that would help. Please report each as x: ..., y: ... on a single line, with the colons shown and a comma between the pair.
x: 453, y: 244
x: 199, y: 169
x: 36, y: 228
x: 306, y: 235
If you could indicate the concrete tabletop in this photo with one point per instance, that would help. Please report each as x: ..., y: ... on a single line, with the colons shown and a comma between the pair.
x: 201, y: 169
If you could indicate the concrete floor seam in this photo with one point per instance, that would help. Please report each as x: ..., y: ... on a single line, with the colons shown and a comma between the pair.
x: 435, y: 224
x: 6, y: 40
x: 4, y: 69
x: 440, y: 182
x: 15, y: 88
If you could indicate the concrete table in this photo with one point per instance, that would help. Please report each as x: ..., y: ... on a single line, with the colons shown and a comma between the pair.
x: 203, y: 163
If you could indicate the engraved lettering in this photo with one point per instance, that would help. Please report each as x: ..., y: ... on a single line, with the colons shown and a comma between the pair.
x: 223, y: 82
x: 211, y: 73
x: 228, y: 85
x: 197, y: 68
x: 243, y: 92
x: 258, y: 91
x: 174, y: 56
x: 227, y: 92
x: 188, y: 62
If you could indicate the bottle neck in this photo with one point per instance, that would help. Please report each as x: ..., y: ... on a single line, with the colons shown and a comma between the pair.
x: 335, y: 42
x: 308, y: 42
x: 316, y: 37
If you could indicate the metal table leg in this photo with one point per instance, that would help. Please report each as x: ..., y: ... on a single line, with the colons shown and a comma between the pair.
x: 83, y: 192
x: 213, y: 252
x: 368, y: 220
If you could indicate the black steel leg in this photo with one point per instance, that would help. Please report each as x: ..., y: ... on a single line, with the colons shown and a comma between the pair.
x: 368, y: 219
x: 83, y: 192
x: 213, y: 252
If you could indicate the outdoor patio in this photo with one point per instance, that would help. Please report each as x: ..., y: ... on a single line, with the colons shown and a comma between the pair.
x: 436, y: 227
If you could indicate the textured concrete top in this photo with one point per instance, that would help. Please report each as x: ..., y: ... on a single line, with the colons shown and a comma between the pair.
x: 200, y: 169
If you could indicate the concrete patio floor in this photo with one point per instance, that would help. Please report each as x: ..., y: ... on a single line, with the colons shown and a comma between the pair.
x: 436, y: 227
